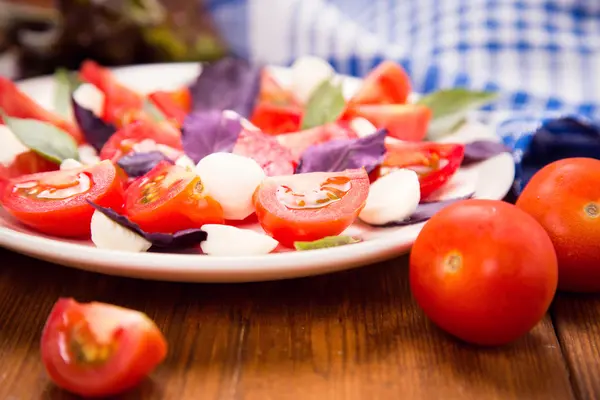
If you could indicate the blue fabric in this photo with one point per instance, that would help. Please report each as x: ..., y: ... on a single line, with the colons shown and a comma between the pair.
x: 542, y: 56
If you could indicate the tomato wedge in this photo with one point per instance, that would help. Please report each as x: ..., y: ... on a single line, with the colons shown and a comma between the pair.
x: 387, y: 83
x: 170, y: 198
x: 298, y: 142
x: 403, y: 121
x: 56, y: 202
x: 97, y: 349
x: 118, y: 99
x: 123, y: 141
x: 307, y: 207
x: 17, y: 104
x: 435, y: 163
x: 174, y: 105
x: 274, y: 158
x: 276, y: 119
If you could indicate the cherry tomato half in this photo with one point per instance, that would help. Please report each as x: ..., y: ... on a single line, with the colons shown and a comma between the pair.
x: 565, y: 198
x: 403, y: 121
x: 276, y: 119
x: 307, y: 207
x: 97, y: 349
x: 484, y: 271
x: 170, y: 198
x: 25, y: 163
x: 387, y: 83
x: 56, y: 202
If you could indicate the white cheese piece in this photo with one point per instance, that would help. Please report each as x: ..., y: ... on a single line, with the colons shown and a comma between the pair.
x: 88, y: 96
x: 185, y: 162
x: 362, y: 127
x: 225, y: 240
x: 11, y: 146
x: 107, y: 234
x: 88, y: 155
x: 308, y: 72
x: 231, y: 180
x: 393, y: 197
x: 70, y: 163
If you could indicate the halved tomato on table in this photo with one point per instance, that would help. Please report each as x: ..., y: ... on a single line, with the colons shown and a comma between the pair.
x: 17, y: 104
x: 387, y: 83
x: 403, y: 121
x: 56, y: 202
x: 97, y: 349
x: 308, y: 207
x: 435, y: 163
x: 170, y: 198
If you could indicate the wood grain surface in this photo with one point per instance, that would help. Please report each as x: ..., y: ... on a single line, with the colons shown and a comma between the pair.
x: 351, y: 335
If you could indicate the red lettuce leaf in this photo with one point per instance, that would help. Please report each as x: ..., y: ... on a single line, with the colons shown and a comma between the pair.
x: 339, y: 155
x: 185, y: 238
x: 425, y: 211
x: 138, y: 164
x: 481, y: 150
x: 210, y: 131
x: 95, y: 131
x: 228, y: 84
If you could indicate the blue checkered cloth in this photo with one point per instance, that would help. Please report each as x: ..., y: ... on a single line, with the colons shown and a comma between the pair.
x: 542, y: 56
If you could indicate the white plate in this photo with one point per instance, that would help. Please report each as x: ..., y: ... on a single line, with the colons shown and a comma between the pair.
x: 491, y: 179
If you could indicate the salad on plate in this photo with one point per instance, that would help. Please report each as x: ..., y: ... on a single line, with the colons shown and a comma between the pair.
x: 236, y: 163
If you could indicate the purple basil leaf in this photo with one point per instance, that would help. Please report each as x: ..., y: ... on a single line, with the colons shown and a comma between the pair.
x: 425, y: 211
x: 210, y: 131
x: 481, y: 150
x: 95, y: 131
x: 228, y: 84
x: 342, y: 154
x: 138, y: 164
x: 185, y: 238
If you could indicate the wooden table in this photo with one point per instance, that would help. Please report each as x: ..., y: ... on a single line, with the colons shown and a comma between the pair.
x: 351, y: 335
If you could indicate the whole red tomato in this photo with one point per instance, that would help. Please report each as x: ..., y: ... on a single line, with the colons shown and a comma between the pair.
x: 564, y: 197
x: 484, y: 271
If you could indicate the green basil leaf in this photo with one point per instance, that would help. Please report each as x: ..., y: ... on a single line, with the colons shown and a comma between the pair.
x: 43, y: 138
x: 450, y: 107
x: 326, y: 242
x: 65, y: 83
x: 325, y: 105
x: 153, y: 111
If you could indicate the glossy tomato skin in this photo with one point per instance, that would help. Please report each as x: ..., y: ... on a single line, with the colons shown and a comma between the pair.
x: 387, y: 83
x: 17, y: 104
x: 564, y: 197
x: 288, y: 225
x: 276, y: 119
x: 484, y: 271
x: 69, y: 216
x: 134, y: 347
x: 403, y: 121
x: 169, y: 199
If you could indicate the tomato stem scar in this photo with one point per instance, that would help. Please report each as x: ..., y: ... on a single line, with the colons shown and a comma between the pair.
x: 452, y: 263
x: 592, y: 210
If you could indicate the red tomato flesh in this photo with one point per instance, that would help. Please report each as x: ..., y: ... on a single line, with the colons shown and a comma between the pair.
x: 24, y: 164
x: 484, y: 271
x: 387, y: 83
x: 298, y: 142
x: 17, y: 104
x: 274, y: 158
x: 173, y: 108
x: 96, y: 349
x: 170, y: 198
x: 56, y: 202
x: 276, y: 119
x: 308, y: 207
x: 403, y: 121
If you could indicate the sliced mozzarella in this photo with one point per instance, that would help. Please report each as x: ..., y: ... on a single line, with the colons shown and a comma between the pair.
x: 362, y: 127
x: 393, y: 197
x: 11, y: 146
x: 89, y: 97
x: 308, y: 73
x: 185, y: 162
x: 107, y: 234
x: 231, y: 180
x: 70, y: 163
x: 225, y: 240
x: 88, y: 155
x: 145, y: 146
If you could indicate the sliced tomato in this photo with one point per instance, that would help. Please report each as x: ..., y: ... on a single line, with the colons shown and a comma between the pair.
x: 307, y: 207
x: 123, y: 141
x: 171, y: 105
x: 97, y: 349
x: 118, y: 99
x: 56, y: 202
x: 403, y: 121
x: 17, y: 104
x: 298, y: 142
x: 274, y: 158
x: 272, y: 92
x: 387, y: 83
x: 170, y: 198
x: 435, y: 163
x: 276, y: 119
